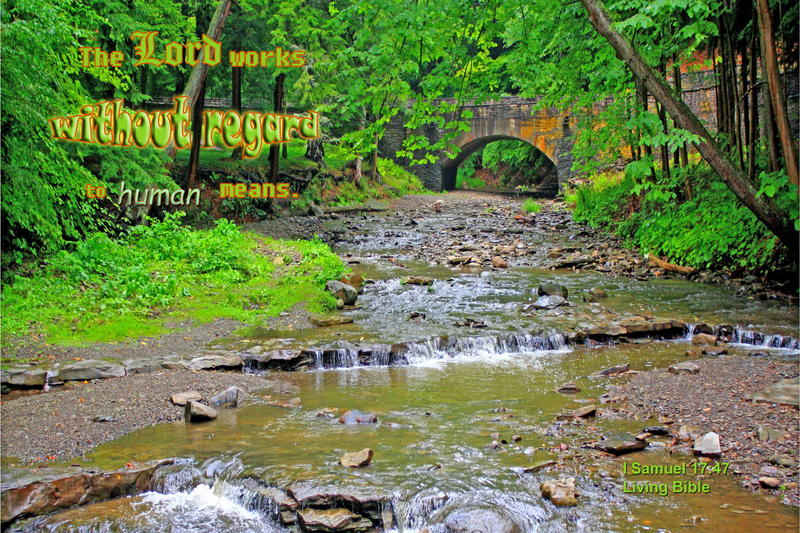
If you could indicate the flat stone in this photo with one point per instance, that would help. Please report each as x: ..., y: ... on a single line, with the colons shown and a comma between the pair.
x: 197, y: 412
x: 614, y: 370
x: 23, y: 377
x: 479, y: 520
x: 143, y: 366
x: 784, y: 460
x: 586, y: 411
x: 769, y: 482
x: 213, y: 362
x: 181, y: 398
x: 560, y: 492
x: 622, y: 444
x: 283, y: 501
x: 53, y: 493
x: 278, y: 360
x: 569, y: 388
x: 656, y: 430
x: 357, y: 459
x: 90, y: 369
x: 784, y: 392
x: 332, y: 520
x: 708, y: 445
x: 365, y: 501
x: 684, y: 367
x: 689, y: 431
x: 769, y: 434
x: 541, y: 465
x: 324, y: 321
x: 416, y: 280
x: 230, y: 397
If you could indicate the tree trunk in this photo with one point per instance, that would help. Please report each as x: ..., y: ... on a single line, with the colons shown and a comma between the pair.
x: 197, y: 133
x: 274, y: 149
x: 779, y: 113
x: 773, y: 217
x: 198, y: 76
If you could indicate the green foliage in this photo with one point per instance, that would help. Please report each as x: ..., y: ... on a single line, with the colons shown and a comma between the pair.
x: 531, y: 206
x: 516, y: 162
x: 113, y: 289
x: 710, y: 230
x: 43, y: 190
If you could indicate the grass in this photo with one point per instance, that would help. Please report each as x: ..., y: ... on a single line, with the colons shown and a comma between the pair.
x: 531, y: 206
x: 113, y: 290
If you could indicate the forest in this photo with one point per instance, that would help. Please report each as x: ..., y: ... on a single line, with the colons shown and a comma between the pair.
x: 422, y: 230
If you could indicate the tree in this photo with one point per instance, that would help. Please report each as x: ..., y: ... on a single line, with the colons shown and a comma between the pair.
x: 763, y: 207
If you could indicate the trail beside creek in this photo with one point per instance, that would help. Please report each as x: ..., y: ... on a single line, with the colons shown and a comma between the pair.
x: 502, y: 369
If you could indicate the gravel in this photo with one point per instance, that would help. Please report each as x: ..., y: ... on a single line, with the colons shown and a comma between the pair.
x: 718, y: 399
x: 58, y: 425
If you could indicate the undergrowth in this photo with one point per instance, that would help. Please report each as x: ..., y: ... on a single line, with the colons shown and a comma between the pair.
x: 162, y: 274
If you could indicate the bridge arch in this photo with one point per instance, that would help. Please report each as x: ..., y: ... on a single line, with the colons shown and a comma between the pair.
x: 449, y: 167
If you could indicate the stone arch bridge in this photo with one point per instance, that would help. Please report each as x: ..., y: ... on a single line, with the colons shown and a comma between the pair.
x: 510, y: 118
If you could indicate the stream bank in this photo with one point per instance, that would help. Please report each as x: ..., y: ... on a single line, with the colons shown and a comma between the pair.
x: 477, y: 368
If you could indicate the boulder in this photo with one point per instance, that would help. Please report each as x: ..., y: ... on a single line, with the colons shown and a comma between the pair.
x: 548, y: 302
x: 708, y: 445
x: 704, y: 339
x: 23, y: 377
x: 342, y: 291
x: 549, y: 288
x: 560, y: 492
x: 357, y: 459
x: 180, y: 398
x: 355, y: 416
x: 499, y: 262
x: 332, y: 520
x: 230, y: 397
x: 479, y: 520
x: 213, y: 362
x: 597, y: 292
x: 197, y: 412
x: 90, y: 369
x: 685, y: 367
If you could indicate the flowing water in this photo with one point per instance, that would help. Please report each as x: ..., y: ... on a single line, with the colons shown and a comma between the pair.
x: 438, y: 416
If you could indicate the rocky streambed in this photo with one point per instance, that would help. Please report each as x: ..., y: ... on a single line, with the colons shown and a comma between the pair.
x: 471, y: 382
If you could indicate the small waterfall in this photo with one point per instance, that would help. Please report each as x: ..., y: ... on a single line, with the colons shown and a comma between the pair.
x: 739, y: 335
x: 746, y: 336
x: 450, y: 347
